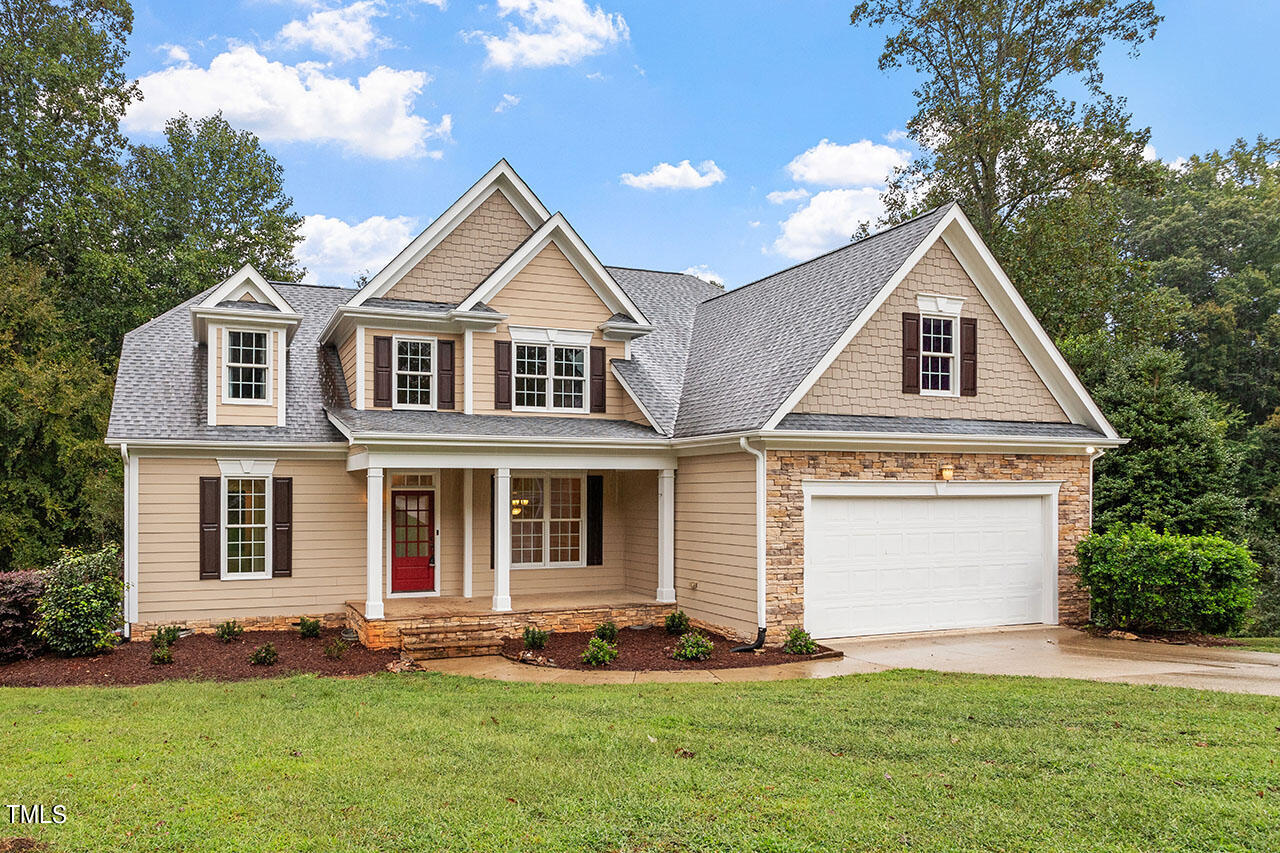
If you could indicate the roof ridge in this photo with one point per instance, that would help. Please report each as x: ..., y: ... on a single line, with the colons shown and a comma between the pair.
x: 648, y: 269
x: 309, y: 284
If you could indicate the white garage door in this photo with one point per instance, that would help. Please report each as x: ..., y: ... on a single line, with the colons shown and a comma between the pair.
x: 881, y: 565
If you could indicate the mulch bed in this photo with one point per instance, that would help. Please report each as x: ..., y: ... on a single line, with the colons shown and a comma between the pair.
x: 1173, y: 638
x: 650, y: 649
x: 200, y: 657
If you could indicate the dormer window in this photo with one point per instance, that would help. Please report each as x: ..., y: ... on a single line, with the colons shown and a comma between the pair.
x: 247, y: 367
x: 550, y: 377
x: 415, y: 373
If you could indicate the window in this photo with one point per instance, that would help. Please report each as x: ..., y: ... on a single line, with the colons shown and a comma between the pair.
x: 415, y: 372
x: 937, y: 355
x: 247, y: 360
x: 245, y: 527
x: 547, y: 520
x: 547, y: 370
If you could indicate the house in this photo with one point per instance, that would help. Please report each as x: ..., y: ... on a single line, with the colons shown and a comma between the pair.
x: 498, y: 430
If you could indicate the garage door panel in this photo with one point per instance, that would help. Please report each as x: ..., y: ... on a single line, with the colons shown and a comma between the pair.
x: 883, y: 565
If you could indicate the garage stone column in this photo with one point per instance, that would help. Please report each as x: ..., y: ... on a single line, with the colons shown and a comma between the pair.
x: 666, y: 536
x: 502, y: 540
x: 373, y: 546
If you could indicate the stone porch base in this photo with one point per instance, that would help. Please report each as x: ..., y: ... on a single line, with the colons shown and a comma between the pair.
x: 144, y: 630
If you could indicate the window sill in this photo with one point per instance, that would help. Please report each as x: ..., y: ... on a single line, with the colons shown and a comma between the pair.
x: 529, y: 410
x: 235, y: 402
x: 242, y: 576
x: 515, y: 567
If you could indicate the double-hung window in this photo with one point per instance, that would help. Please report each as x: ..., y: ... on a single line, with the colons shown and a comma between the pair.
x: 245, y: 527
x: 937, y: 355
x: 415, y: 373
x: 550, y: 377
x: 547, y: 517
x: 247, y: 361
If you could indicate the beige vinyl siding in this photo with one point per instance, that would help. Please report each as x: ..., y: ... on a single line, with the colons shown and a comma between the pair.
x: 466, y: 257
x: 866, y: 379
x: 715, y: 540
x: 347, y: 356
x: 638, y: 498
x: 230, y: 413
x: 458, y: 357
x: 328, y: 545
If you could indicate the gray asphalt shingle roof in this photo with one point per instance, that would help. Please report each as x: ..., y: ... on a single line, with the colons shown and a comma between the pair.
x: 932, y: 426
x: 369, y: 421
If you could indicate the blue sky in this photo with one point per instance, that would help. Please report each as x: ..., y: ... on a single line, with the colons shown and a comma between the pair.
x: 382, y: 112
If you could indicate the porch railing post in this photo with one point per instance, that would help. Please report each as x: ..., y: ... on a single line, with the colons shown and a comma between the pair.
x: 373, y: 548
x: 502, y: 540
x: 666, y: 536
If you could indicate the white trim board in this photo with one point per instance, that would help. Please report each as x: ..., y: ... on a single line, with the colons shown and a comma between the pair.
x: 246, y: 280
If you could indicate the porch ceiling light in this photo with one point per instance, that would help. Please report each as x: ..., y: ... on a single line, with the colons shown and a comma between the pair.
x: 947, y: 471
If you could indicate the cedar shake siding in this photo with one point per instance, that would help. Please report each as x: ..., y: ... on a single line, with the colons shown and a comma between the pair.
x: 466, y: 257
x: 715, y: 540
x: 870, y: 376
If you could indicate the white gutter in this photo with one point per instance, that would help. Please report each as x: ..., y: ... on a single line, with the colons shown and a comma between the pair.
x: 760, y: 538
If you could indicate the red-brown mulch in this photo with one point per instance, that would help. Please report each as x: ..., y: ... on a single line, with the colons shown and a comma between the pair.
x: 650, y: 649
x: 200, y: 657
x: 1173, y: 638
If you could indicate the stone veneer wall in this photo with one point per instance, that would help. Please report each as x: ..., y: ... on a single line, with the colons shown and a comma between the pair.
x: 144, y: 630
x: 786, y: 470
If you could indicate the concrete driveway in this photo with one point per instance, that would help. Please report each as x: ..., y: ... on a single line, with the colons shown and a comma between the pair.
x: 1053, y: 652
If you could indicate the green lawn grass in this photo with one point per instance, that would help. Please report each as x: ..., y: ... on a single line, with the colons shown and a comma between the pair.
x: 893, y: 761
x: 1261, y: 644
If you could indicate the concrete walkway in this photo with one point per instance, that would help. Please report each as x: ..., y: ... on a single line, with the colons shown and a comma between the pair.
x: 1039, y: 651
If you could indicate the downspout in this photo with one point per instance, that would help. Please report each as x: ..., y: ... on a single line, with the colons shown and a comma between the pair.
x: 760, y: 552
x: 124, y: 603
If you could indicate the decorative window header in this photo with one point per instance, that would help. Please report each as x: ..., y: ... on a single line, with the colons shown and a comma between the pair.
x: 933, y: 303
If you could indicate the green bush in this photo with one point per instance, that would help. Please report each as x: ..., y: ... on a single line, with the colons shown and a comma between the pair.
x: 1140, y: 580
x: 166, y: 636
x: 693, y: 646
x: 677, y: 623
x: 264, y: 655
x: 19, y: 596
x: 81, y: 605
x: 599, y: 652
x: 335, y: 648
x: 535, y: 638
x: 309, y: 628
x: 228, y: 631
x: 607, y: 631
x: 799, y: 643
x: 162, y: 654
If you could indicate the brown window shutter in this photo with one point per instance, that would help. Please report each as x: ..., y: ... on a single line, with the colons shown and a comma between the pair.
x: 382, y: 372
x: 968, y: 356
x: 444, y: 374
x: 595, y: 520
x: 910, y: 353
x: 282, y: 527
x: 597, y: 379
x: 493, y: 521
x: 502, y: 374
x: 210, y: 528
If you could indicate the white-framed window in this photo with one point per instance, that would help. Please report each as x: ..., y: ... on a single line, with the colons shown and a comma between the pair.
x: 548, y: 520
x: 246, y: 366
x: 938, y: 355
x: 550, y: 378
x: 415, y: 373
x: 246, y: 527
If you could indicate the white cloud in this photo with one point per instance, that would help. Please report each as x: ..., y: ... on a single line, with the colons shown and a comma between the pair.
x: 784, y: 196
x: 295, y: 103
x: 1148, y: 152
x: 507, y: 102
x: 755, y: 223
x: 335, y: 253
x: 343, y: 33
x: 595, y: 75
x: 827, y: 221
x: 705, y: 273
x: 856, y: 164
x: 551, y: 32
x: 175, y: 53
x: 896, y: 135
x: 682, y: 176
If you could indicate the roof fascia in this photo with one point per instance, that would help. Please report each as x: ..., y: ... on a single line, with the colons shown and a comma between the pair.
x: 501, y: 178
x: 201, y: 317
x: 910, y: 442
x: 452, y: 321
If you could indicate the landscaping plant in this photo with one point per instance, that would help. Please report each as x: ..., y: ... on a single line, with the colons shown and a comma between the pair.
x: 335, y: 648
x: 693, y: 646
x: 309, y: 628
x: 264, y: 655
x: 79, y: 610
x: 162, y: 653
x: 535, y: 638
x: 677, y: 623
x: 166, y: 636
x: 1141, y: 580
x: 19, y: 596
x: 228, y: 631
x: 599, y: 652
x: 607, y: 631
x: 799, y: 643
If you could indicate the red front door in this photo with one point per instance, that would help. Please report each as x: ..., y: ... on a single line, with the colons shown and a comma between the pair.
x: 413, y: 541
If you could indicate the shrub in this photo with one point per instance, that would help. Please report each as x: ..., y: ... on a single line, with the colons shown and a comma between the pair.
x: 1142, y: 580
x: 19, y: 597
x: 264, y: 655
x: 607, y: 631
x: 693, y: 646
x: 165, y: 636
x: 799, y: 643
x: 335, y: 648
x: 309, y: 628
x: 162, y: 654
x: 535, y: 638
x: 599, y: 652
x: 228, y: 631
x: 80, y: 608
x: 677, y: 623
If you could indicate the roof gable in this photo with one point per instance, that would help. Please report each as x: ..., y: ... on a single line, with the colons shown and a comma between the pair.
x: 246, y: 285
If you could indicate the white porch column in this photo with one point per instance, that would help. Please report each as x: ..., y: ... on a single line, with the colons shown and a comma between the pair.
x: 502, y: 540
x: 373, y: 546
x: 468, y: 521
x: 666, y: 536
